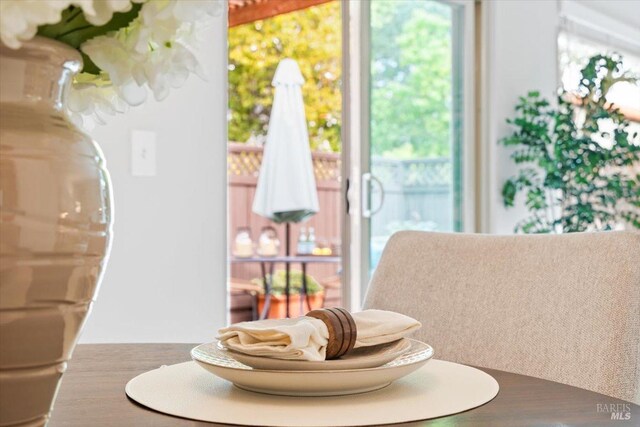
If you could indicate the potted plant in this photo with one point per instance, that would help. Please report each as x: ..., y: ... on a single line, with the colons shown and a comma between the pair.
x: 278, y: 303
x: 63, y: 62
x: 579, y: 160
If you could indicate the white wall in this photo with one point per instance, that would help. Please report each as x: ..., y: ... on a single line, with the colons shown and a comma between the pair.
x: 165, y: 281
x: 626, y: 12
x: 521, y: 48
x: 521, y: 43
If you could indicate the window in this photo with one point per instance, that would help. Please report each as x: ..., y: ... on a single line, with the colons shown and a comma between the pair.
x: 416, y: 117
x: 574, y: 52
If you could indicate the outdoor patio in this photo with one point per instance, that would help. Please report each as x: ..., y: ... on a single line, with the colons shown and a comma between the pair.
x: 243, y: 168
x: 417, y: 190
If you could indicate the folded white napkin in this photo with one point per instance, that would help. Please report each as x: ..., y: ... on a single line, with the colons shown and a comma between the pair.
x: 306, y: 338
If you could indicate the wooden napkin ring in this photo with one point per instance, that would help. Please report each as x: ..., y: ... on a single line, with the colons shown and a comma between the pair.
x: 352, y: 327
x: 342, y: 330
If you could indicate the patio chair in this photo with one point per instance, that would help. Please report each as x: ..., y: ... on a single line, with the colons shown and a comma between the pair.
x: 240, y: 310
x: 332, y: 286
x: 560, y: 307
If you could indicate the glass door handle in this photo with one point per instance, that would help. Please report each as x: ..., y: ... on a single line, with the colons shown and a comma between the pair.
x: 367, y: 180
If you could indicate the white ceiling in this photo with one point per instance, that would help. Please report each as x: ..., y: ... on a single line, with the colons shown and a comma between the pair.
x: 626, y: 11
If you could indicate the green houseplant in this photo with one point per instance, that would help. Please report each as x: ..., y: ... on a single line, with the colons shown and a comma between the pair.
x: 578, y: 161
x: 278, y: 304
x: 278, y: 283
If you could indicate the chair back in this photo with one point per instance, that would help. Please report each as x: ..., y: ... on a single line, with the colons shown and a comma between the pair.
x: 560, y: 307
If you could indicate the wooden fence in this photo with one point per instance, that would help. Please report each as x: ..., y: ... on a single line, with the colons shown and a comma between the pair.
x: 243, y: 167
x: 418, y: 194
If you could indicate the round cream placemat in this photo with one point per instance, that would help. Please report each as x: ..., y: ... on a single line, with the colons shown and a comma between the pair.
x: 437, y: 389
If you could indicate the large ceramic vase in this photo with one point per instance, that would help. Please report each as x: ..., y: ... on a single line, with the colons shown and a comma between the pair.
x: 55, y: 227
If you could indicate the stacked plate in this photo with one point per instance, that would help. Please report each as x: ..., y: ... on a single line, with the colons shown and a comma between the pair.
x: 363, y: 369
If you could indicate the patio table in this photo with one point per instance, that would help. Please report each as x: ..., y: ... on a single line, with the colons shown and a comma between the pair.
x: 267, y: 272
x: 92, y: 394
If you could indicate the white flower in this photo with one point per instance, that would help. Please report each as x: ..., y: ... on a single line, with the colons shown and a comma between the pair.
x: 153, y: 53
x: 89, y: 102
x: 100, y: 11
x: 111, y: 54
x: 169, y: 68
x: 20, y: 19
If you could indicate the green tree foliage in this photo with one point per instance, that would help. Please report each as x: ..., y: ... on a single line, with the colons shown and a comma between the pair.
x: 410, y: 65
x: 578, y: 161
x: 411, y: 78
x: 312, y: 37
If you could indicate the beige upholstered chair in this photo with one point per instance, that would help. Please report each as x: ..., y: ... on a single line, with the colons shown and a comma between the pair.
x: 560, y: 307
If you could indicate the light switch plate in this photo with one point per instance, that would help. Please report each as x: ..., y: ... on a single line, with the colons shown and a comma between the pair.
x: 143, y: 153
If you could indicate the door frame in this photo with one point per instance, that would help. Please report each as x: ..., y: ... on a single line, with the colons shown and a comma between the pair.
x: 356, y: 47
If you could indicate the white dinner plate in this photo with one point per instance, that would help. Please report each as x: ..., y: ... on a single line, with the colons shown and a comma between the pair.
x: 310, y: 383
x: 358, y: 358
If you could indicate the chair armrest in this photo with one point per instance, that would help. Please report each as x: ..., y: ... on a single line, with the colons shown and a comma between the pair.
x: 332, y: 282
x: 244, y: 286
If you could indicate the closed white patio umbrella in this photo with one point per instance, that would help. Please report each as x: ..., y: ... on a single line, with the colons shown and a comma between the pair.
x: 286, y: 190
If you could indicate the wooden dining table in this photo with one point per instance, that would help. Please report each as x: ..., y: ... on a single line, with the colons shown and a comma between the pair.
x: 92, y: 394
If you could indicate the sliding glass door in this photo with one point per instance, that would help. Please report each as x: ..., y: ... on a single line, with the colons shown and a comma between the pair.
x: 417, y: 91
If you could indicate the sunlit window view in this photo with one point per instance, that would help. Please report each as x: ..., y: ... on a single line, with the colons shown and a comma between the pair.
x: 415, y: 121
x: 311, y: 36
x: 261, y: 246
x: 574, y: 53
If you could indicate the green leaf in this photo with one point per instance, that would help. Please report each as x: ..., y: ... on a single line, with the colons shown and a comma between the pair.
x: 509, y: 190
x: 536, y: 199
x: 74, y: 29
